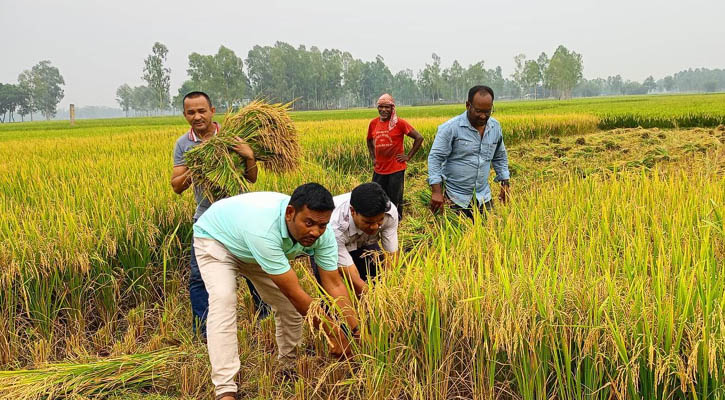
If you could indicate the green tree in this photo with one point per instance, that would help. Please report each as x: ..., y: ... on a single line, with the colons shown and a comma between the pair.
x: 143, y: 100
x: 532, y: 75
x: 157, y: 76
x: 668, y: 83
x: 43, y: 84
x: 615, y: 84
x: 11, y: 99
x: 649, y: 84
x: 519, y: 75
x: 352, y: 71
x: 565, y: 70
x: 430, y: 79
x: 186, y: 88
x: 124, y: 96
x: 405, y: 89
x: 221, y: 76
x: 543, y: 61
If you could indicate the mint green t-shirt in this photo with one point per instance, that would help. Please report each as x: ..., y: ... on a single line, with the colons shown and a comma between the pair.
x: 253, y: 228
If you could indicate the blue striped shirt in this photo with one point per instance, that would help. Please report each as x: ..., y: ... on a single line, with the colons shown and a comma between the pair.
x: 462, y: 159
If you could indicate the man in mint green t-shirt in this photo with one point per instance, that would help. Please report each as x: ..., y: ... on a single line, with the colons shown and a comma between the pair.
x: 255, y: 235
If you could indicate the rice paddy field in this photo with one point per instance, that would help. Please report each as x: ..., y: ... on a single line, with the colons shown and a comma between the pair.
x: 603, y: 278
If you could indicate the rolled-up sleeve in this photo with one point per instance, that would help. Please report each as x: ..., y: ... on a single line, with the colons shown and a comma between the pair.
x: 500, y: 161
x: 440, y: 150
x: 178, y: 155
x: 326, y: 251
x: 389, y: 233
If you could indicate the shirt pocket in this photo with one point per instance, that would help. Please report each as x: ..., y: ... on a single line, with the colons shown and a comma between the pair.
x: 466, y: 147
x: 488, y: 150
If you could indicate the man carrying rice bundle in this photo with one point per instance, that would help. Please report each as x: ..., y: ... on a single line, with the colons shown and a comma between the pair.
x: 385, y: 144
x: 255, y: 235
x: 199, y: 112
x: 361, y: 219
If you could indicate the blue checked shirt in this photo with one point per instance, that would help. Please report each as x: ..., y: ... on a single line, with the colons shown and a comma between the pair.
x: 462, y: 160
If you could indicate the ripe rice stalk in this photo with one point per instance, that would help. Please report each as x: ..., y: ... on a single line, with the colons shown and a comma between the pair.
x: 100, y: 377
x: 266, y: 128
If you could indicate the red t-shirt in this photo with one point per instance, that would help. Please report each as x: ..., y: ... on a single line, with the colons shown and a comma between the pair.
x: 388, y: 144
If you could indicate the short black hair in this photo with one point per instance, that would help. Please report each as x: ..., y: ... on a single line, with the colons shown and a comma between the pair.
x: 314, y: 196
x: 195, y: 94
x: 369, y: 199
x: 478, y: 89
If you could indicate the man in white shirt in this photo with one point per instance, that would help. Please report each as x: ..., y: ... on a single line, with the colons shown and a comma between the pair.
x: 361, y: 219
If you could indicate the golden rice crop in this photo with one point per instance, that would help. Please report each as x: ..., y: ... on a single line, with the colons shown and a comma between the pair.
x: 268, y: 130
x: 602, y: 279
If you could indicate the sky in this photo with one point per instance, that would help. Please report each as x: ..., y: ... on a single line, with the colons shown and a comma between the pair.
x: 99, y: 45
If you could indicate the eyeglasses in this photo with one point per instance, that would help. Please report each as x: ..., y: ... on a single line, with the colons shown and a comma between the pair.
x: 486, y: 112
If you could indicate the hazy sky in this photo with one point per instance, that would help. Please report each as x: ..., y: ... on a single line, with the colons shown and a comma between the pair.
x: 99, y: 45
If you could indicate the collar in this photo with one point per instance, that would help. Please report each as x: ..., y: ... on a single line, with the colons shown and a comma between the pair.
x: 464, y: 122
x: 192, y: 134
x: 282, y: 222
x: 352, y: 228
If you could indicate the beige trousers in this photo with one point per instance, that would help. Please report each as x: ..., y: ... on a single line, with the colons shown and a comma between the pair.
x: 219, y: 270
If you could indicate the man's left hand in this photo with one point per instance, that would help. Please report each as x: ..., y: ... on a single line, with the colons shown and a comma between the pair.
x: 243, y: 149
x: 402, y: 158
x: 505, y: 193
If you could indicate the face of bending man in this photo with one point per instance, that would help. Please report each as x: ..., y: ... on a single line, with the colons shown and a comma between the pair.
x: 369, y: 225
x: 305, y: 225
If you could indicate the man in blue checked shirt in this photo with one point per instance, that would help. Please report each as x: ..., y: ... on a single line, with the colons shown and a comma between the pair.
x: 463, y: 152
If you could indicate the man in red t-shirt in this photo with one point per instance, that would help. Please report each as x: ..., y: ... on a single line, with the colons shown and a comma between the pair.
x: 385, y: 143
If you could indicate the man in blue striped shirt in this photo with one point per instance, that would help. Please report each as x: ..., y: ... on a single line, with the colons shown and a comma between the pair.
x: 463, y: 152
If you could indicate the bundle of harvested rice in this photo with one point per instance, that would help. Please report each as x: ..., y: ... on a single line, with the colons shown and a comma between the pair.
x: 266, y: 128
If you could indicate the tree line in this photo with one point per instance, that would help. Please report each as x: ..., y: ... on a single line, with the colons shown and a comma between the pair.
x: 331, y: 78
x: 39, y: 89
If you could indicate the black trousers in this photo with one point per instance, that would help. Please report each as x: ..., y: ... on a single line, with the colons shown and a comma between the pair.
x: 468, y: 211
x: 393, y: 185
x: 365, y: 262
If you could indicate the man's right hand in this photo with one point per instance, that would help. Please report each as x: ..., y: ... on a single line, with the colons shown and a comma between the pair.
x: 337, y: 340
x: 437, y: 200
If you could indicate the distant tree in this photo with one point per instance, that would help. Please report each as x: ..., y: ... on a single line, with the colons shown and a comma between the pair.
x: 532, y: 75
x: 27, y: 105
x: 43, y: 85
x: 405, y: 89
x: 615, y: 84
x: 124, y: 97
x: 543, y: 61
x: 186, y: 88
x: 519, y: 76
x: 430, y: 79
x: 632, y: 87
x: 590, y: 88
x: 668, y: 83
x: 565, y: 70
x: 454, y: 82
x: 157, y: 76
x: 710, y: 86
x: 221, y: 76
x: 143, y: 100
x: 331, y: 77
x: 352, y: 70
x: 9, y: 98
x: 649, y: 84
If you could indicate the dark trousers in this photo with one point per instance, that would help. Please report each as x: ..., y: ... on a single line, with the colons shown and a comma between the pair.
x: 468, y: 211
x: 365, y: 261
x: 393, y: 185
x: 200, y: 297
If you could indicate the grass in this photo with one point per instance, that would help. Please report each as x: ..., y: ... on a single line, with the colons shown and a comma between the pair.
x: 601, y: 279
